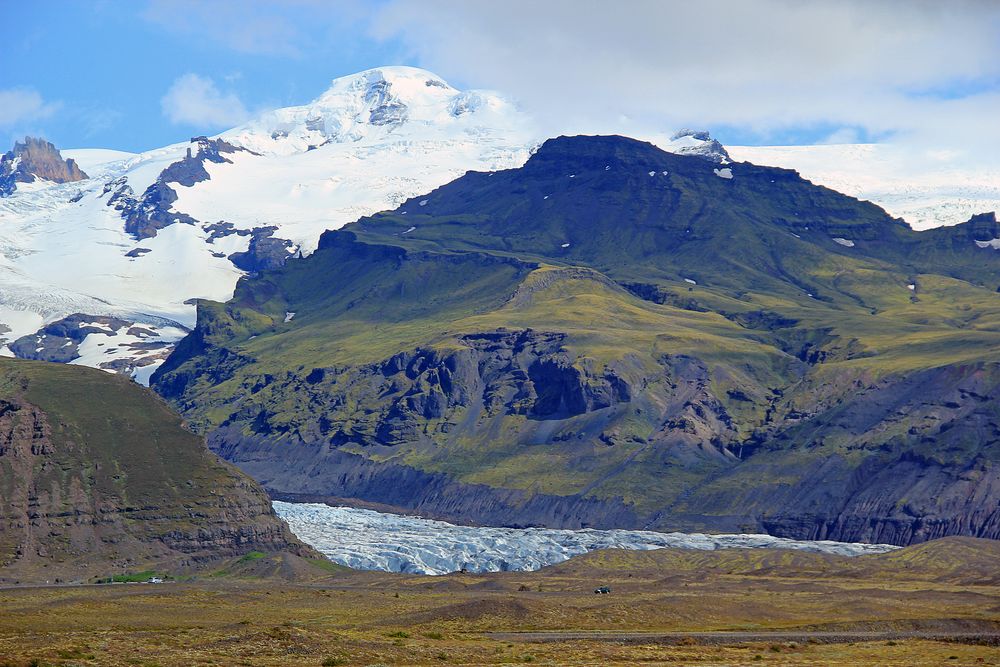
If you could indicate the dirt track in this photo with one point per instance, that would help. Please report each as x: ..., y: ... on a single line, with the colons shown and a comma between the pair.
x: 722, y: 638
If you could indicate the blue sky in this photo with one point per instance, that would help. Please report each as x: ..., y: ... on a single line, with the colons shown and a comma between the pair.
x: 102, y: 69
x: 141, y: 74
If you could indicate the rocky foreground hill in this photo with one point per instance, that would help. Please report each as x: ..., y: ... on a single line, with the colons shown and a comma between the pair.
x: 97, y: 477
x: 615, y: 336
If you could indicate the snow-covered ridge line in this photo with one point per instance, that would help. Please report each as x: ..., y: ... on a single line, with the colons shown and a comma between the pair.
x: 368, y: 540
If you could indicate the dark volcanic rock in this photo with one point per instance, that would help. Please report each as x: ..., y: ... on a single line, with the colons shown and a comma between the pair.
x: 495, y: 374
x: 906, y: 467
x: 35, y: 159
x: 338, y: 476
x: 60, y: 340
x: 265, y: 251
x: 222, y: 229
x: 386, y: 108
x: 147, y: 214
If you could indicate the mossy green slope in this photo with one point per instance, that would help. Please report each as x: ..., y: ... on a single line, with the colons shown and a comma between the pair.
x: 613, y: 335
x: 98, y: 476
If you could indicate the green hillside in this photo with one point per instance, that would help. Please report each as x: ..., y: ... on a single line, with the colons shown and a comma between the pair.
x: 98, y: 477
x: 617, y: 336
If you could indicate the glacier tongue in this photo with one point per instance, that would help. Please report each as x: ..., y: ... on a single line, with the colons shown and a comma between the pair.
x: 368, y: 540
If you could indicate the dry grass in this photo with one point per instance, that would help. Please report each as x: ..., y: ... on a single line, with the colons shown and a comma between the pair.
x: 368, y: 618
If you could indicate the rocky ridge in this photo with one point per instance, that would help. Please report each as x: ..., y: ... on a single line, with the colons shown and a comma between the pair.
x: 32, y: 160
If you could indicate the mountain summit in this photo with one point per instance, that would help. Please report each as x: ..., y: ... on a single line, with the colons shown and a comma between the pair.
x: 375, y: 103
x: 697, y: 142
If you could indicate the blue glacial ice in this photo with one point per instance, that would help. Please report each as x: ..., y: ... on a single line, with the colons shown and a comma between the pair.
x: 367, y: 540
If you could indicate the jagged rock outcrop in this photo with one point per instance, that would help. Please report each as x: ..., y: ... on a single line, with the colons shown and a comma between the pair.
x: 264, y: 251
x: 386, y: 109
x: 97, y: 476
x: 146, y: 214
x: 491, y: 375
x: 35, y: 159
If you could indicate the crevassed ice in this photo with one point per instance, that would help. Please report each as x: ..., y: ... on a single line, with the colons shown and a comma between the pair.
x: 368, y: 540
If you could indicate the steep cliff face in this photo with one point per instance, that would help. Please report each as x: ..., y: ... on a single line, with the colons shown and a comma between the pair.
x: 902, y: 459
x: 493, y: 374
x: 519, y: 385
x: 97, y: 476
x: 615, y: 336
x: 889, y: 464
x: 35, y: 159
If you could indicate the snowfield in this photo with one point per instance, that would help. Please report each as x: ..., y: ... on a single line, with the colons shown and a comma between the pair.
x: 367, y: 540
x: 369, y: 143
x: 925, y: 188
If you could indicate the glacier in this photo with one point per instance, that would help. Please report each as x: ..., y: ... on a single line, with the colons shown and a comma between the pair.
x: 368, y: 540
x: 927, y: 188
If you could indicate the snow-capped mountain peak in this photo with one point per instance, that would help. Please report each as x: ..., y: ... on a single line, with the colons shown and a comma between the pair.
x: 698, y: 143
x: 135, y: 245
x: 370, y: 105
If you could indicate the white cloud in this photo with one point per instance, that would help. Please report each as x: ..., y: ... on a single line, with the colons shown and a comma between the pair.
x: 843, y: 135
x: 919, y: 69
x: 195, y: 100
x: 23, y: 105
x: 289, y: 28
x: 248, y: 26
x: 94, y: 120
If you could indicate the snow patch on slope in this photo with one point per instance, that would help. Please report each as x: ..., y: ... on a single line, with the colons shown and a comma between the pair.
x: 98, y: 161
x: 134, y: 350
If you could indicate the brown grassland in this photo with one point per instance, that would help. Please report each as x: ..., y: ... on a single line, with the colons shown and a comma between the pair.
x: 932, y: 604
